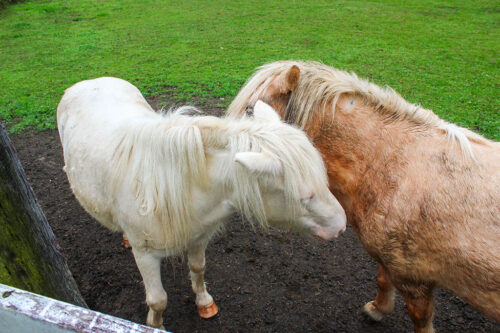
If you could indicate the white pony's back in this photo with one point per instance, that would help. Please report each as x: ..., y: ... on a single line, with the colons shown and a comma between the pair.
x: 157, y: 160
x: 87, y: 98
x: 87, y: 113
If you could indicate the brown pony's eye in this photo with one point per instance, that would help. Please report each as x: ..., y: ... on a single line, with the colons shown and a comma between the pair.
x: 249, y: 110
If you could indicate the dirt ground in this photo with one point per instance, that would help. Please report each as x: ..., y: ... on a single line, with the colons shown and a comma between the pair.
x: 262, y: 282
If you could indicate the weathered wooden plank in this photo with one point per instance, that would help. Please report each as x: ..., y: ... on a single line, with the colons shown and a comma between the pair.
x: 29, y: 257
x: 25, y: 312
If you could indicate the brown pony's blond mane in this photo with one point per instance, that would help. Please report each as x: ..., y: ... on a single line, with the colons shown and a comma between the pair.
x: 321, y: 86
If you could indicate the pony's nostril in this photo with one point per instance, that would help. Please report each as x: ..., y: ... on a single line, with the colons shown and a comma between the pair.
x: 340, y: 232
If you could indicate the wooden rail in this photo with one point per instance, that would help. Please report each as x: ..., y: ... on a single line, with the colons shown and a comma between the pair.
x: 25, y: 312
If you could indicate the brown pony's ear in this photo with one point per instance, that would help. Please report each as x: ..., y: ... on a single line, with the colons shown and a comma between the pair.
x: 292, y: 78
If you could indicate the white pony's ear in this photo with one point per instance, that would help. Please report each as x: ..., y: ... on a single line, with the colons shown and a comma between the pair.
x: 263, y: 111
x: 258, y: 162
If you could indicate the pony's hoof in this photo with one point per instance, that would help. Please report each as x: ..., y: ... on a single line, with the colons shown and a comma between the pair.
x: 161, y: 327
x: 371, y: 311
x: 208, y: 311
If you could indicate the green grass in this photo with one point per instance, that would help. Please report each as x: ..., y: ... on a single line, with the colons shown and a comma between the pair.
x: 440, y: 54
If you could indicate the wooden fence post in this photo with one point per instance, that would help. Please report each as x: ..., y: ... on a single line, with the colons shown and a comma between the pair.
x: 29, y: 255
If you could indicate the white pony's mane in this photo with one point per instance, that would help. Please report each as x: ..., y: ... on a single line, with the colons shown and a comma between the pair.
x: 165, y: 155
x: 321, y: 84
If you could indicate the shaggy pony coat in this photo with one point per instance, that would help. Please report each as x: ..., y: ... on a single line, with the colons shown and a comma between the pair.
x: 423, y: 195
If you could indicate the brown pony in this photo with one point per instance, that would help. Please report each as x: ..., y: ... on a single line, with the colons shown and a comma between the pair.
x: 423, y: 195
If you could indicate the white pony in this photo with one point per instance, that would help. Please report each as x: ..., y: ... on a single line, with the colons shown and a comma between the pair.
x: 170, y: 181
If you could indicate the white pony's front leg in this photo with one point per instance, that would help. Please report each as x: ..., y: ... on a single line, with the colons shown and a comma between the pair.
x: 196, y: 256
x: 204, y: 301
x: 149, y: 264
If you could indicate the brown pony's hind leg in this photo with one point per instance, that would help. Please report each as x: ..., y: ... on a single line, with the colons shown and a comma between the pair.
x: 384, y: 302
x: 420, y: 305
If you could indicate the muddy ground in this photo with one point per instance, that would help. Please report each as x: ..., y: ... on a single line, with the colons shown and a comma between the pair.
x: 262, y: 282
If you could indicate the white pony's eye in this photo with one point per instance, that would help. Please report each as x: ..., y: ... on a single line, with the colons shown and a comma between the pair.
x: 307, y: 199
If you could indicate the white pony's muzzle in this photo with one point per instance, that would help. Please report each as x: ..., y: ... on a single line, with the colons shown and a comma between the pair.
x: 336, y: 226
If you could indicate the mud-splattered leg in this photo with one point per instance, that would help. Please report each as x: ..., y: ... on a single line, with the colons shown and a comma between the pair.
x: 420, y: 305
x: 204, y: 301
x: 384, y: 302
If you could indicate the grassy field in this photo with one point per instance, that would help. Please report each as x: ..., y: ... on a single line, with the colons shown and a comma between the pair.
x: 440, y: 54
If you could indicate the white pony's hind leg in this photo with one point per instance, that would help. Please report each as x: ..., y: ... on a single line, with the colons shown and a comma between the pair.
x: 156, y: 297
x: 204, y: 301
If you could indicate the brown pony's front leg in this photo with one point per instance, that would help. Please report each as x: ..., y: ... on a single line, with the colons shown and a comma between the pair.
x: 384, y: 302
x: 420, y: 305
